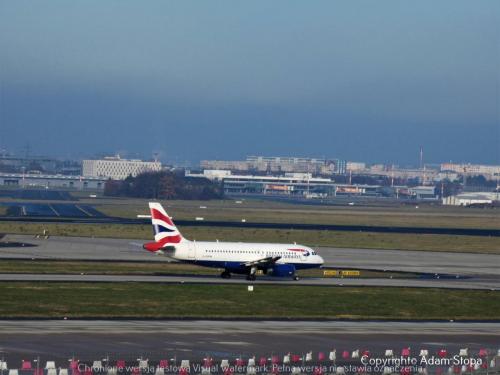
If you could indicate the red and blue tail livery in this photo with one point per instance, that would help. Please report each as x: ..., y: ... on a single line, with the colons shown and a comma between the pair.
x: 165, y: 231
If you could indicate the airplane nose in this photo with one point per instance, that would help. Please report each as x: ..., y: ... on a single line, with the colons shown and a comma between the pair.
x: 321, y: 260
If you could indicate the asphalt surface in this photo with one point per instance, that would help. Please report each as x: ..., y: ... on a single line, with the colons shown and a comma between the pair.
x: 82, y: 248
x: 88, y: 340
x: 454, y: 270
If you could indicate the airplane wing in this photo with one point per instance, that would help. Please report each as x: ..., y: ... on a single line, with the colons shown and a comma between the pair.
x: 261, y: 262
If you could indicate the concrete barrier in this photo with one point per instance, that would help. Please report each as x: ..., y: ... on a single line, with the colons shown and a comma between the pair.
x: 26, y: 365
x: 424, y: 353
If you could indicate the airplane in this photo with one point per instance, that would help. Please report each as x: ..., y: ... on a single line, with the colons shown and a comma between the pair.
x: 280, y: 260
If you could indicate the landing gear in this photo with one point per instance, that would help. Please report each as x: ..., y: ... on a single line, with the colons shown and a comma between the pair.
x: 225, y: 275
x: 251, y: 277
x: 296, y: 278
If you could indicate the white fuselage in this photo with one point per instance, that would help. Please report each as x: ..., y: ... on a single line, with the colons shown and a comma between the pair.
x: 216, y: 253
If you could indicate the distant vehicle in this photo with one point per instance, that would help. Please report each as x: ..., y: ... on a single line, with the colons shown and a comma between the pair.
x: 281, y: 260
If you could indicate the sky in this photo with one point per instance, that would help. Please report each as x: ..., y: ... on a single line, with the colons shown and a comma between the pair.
x: 189, y: 80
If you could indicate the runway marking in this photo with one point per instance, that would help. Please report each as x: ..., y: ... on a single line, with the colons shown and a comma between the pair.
x: 85, y: 212
x: 53, y: 209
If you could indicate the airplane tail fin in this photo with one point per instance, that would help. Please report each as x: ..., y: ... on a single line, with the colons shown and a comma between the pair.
x: 165, y: 231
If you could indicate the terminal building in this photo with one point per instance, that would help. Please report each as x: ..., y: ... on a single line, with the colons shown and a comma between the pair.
x: 305, y: 186
x: 116, y: 168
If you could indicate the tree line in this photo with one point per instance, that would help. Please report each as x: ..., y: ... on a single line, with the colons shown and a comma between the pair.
x: 163, y: 185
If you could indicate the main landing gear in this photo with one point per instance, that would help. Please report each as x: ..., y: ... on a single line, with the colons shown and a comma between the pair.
x: 226, y: 274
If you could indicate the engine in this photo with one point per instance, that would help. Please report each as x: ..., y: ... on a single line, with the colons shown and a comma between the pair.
x: 283, y: 270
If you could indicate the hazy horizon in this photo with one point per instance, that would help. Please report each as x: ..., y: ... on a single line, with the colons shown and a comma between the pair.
x: 355, y: 80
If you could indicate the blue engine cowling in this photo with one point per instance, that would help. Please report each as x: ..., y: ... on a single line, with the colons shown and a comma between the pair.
x: 283, y: 270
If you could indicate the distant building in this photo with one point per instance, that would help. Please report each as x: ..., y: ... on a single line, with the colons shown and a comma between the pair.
x: 490, y: 172
x: 468, y: 199
x: 423, y: 192
x: 355, y: 166
x: 32, y: 163
x: 305, y: 186
x: 36, y: 180
x: 214, y: 174
x: 265, y: 164
x: 116, y: 168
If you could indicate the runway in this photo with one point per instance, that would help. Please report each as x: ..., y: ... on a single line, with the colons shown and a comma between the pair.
x: 81, y: 248
x: 59, y: 340
x: 448, y: 283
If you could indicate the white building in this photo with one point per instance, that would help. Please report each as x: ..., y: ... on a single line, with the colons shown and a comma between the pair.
x: 355, y: 166
x: 468, y: 199
x: 117, y: 168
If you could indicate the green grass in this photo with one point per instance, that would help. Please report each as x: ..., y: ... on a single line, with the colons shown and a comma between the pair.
x: 141, y: 300
x: 101, y: 268
x: 426, y: 215
x: 259, y: 211
x: 425, y: 242
x: 136, y: 268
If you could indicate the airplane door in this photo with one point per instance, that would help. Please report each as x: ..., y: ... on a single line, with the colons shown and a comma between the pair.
x: 192, y: 250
